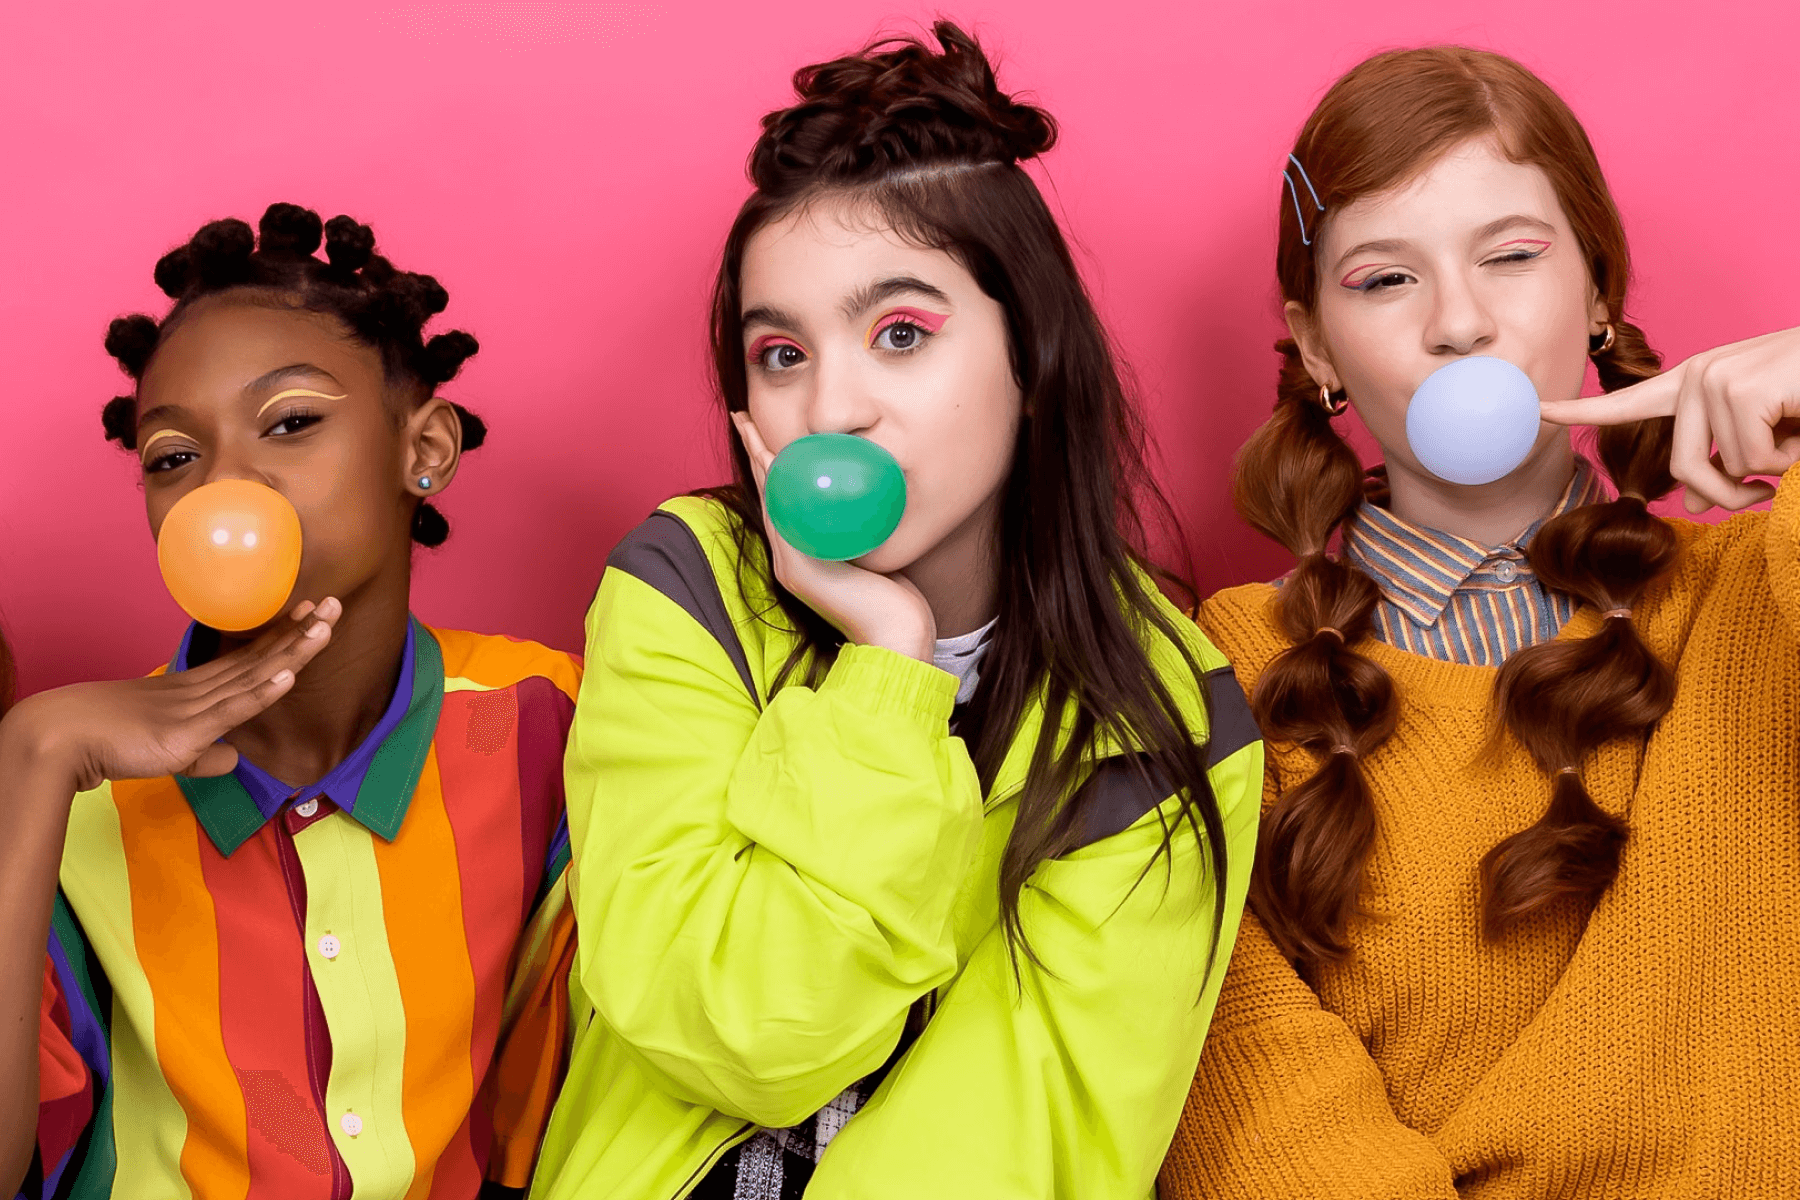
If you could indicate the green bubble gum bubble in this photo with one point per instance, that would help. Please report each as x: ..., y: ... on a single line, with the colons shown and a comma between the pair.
x: 834, y: 496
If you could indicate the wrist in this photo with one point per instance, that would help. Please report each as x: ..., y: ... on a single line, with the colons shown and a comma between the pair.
x: 34, y: 751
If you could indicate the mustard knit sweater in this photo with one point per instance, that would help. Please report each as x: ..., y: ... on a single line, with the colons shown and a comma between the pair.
x: 1651, y: 1050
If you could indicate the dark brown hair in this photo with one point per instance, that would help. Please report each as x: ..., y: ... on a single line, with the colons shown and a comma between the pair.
x: 928, y: 141
x: 382, y: 307
x: 1380, y: 126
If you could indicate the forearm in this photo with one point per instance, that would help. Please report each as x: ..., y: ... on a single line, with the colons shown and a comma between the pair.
x: 34, y: 797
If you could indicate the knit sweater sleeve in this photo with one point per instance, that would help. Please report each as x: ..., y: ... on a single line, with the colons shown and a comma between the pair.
x: 1781, y: 548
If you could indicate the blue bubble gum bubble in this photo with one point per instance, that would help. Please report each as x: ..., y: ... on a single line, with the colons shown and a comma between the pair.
x: 1473, y: 421
x: 834, y: 496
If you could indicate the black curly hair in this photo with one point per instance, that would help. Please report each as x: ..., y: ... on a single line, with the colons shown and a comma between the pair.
x: 384, y: 308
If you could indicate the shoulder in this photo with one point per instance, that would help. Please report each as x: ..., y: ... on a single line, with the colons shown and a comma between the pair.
x: 1229, y: 724
x: 490, y: 662
x: 1241, y: 621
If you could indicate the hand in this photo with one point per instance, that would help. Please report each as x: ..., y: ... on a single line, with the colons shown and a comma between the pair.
x: 1744, y: 398
x: 868, y: 608
x: 169, y: 724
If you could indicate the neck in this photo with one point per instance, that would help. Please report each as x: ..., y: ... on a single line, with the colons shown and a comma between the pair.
x: 339, y: 698
x: 1489, y: 514
x: 959, y: 577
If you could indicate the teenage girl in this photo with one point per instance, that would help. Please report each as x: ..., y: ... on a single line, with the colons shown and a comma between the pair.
x: 1527, y: 904
x: 898, y: 877
x: 283, y: 882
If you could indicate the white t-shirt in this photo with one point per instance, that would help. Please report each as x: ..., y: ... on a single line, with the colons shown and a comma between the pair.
x: 961, y: 656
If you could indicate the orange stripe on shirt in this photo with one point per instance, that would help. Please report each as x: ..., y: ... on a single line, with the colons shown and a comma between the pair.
x: 501, y: 662
x: 422, y: 897
x: 180, y: 960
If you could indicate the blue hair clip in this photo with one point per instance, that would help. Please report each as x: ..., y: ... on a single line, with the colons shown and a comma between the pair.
x: 1295, y: 193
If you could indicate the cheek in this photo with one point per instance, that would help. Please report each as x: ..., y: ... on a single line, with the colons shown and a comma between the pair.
x: 960, y: 443
x: 1379, y: 377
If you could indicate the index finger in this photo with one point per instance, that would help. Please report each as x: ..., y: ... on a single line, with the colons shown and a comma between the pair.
x: 1654, y: 397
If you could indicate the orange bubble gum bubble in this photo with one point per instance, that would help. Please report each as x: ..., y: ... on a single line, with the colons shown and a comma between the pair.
x: 230, y: 552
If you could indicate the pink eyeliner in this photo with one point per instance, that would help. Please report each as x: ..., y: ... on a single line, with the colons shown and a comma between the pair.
x: 930, y: 322
x: 1350, y: 280
x: 761, y: 346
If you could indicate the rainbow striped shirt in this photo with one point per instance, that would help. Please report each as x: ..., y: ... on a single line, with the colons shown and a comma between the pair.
x: 1453, y: 599
x: 355, y: 989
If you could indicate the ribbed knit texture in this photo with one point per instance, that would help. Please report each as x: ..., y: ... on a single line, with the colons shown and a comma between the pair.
x: 1651, y: 1050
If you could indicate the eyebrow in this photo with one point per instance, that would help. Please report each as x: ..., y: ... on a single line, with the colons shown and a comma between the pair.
x: 1491, y: 229
x: 768, y: 314
x: 863, y: 299
x: 283, y: 374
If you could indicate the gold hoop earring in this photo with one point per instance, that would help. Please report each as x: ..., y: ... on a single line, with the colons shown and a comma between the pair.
x: 1606, y: 343
x: 1333, y: 406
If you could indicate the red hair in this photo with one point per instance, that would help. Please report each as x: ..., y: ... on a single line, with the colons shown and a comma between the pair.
x: 1380, y: 126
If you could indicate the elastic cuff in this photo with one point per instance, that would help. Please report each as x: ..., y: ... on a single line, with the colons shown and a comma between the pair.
x: 884, y: 681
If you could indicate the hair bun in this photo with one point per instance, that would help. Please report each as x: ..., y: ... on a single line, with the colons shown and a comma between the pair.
x: 288, y: 231
x: 349, y: 244
x: 897, y: 104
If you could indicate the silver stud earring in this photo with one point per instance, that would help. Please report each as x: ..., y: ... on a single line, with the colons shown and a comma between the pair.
x: 425, y: 483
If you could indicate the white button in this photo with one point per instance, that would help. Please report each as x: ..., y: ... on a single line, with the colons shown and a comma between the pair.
x: 1505, y: 572
x: 351, y: 1124
x: 328, y: 946
x: 306, y: 808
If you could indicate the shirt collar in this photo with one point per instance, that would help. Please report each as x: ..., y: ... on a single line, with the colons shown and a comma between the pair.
x: 1419, y: 570
x: 374, y: 785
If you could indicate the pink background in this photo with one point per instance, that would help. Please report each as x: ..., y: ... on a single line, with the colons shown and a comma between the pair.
x: 568, y: 170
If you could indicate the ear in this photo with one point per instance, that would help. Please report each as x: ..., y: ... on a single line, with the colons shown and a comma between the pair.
x: 432, y: 441
x: 1599, y: 312
x: 1312, y: 347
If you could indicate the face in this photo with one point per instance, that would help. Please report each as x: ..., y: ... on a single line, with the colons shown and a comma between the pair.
x: 848, y: 328
x: 287, y: 398
x: 1474, y: 257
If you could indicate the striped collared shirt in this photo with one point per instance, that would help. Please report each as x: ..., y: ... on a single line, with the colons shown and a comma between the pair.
x: 1453, y: 599
x: 328, y: 992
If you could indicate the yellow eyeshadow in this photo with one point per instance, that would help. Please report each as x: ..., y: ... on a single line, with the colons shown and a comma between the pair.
x: 290, y: 393
x: 159, y: 435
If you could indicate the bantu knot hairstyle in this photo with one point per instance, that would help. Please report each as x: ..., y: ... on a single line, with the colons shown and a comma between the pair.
x: 384, y: 308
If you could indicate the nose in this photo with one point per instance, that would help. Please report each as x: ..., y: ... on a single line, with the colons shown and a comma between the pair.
x: 1460, y: 322
x: 842, y: 398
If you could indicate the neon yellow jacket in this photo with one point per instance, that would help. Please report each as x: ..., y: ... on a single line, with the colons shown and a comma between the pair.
x: 765, y: 886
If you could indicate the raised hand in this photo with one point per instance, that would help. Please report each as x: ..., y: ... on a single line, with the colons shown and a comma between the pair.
x: 868, y: 608
x: 172, y: 723
x: 1743, y: 399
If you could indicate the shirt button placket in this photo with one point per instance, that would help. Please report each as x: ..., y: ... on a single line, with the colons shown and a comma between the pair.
x: 306, y: 808
x: 350, y: 1123
x: 1505, y: 571
x: 330, y: 947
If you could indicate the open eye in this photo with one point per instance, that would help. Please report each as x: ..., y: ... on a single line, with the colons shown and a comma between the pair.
x: 776, y: 354
x: 293, y: 422
x: 1384, y: 280
x: 169, y: 460
x: 900, y: 335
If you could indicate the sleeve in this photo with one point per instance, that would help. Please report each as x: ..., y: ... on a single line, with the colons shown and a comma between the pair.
x: 73, y: 1065
x: 1066, y: 1080
x: 761, y: 895
x: 1288, y: 1103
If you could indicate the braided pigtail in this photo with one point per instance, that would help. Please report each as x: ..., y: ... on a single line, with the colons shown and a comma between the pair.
x: 1298, y: 482
x: 1564, y: 699
x: 383, y: 307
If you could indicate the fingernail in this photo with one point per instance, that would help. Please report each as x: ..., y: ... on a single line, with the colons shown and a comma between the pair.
x: 282, y: 676
x: 301, y: 609
x: 316, y: 629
